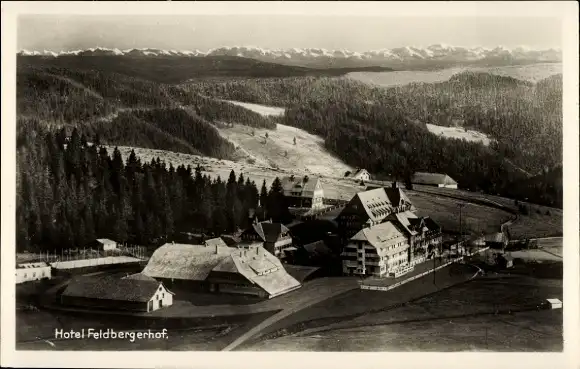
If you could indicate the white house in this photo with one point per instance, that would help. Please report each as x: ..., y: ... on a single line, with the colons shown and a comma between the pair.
x: 32, y: 272
x: 360, y: 175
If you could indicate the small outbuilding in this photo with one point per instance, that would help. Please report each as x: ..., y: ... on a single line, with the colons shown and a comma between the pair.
x: 553, y: 304
x: 32, y: 272
x: 105, y: 244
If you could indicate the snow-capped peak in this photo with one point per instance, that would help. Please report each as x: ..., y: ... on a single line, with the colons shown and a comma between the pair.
x: 314, y: 56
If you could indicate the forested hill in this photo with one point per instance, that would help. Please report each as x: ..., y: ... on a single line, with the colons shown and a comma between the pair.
x: 525, y: 120
x: 124, y: 110
x: 172, y: 69
x: 381, y: 129
x: 384, y: 130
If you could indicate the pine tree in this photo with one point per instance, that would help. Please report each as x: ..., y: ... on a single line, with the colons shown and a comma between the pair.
x: 264, y: 199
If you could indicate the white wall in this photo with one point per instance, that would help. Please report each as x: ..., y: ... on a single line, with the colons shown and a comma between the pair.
x: 32, y: 274
x: 161, y: 295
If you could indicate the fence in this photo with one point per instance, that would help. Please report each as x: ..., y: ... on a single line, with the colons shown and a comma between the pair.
x: 86, y: 263
x: 92, y: 256
x: 388, y: 288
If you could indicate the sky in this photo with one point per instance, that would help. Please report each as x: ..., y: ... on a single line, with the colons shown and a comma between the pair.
x: 360, y: 33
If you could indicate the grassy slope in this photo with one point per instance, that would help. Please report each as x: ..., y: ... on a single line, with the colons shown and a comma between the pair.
x: 453, y: 320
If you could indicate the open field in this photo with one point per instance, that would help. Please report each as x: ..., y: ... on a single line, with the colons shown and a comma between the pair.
x: 459, y: 133
x: 541, y: 221
x: 356, y: 303
x: 475, y: 218
x: 278, y: 149
x: 530, y: 72
x: 460, y: 318
x: 260, y: 109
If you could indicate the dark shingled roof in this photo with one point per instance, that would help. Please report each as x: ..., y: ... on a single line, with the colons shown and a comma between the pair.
x: 110, y: 288
x: 269, y: 232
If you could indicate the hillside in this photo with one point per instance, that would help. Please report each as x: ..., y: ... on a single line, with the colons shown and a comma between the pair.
x: 278, y: 150
x: 511, y: 112
x: 176, y: 69
x: 529, y: 72
x: 383, y: 130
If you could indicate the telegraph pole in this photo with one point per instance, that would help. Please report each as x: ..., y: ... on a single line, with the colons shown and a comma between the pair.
x: 461, y: 205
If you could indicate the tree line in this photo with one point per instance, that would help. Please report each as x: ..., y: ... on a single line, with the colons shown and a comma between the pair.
x: 70, y: 192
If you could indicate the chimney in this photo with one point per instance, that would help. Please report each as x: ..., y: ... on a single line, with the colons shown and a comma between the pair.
x: 394, y: 184
x: 217, y: 249
x: 257, y: 250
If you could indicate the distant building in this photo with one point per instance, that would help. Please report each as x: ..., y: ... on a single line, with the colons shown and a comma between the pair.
x: 128, y: 294
x: 105, y: 244
x: 434, y: 179
x: 372, y: 207
x: 497, y: 241
x: 553, y: 304
x: 275, y: 237
x: 379, y: 250
x: 249, y: 271
x: 32, y: 272
x: 303, y: 192
x: 359, y: 175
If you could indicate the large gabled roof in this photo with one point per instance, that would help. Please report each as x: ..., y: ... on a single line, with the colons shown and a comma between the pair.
x: 186, y: 262
x: 432, y: 179
x: 381, y: 236
x: 261, y: 268
x: 111, y: 288
x: 380, y: 202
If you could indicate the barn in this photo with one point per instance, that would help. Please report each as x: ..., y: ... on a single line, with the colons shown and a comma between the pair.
x: 110, y: 293
x: 434, y: 179
x: 247, y: 271
x: 32, y: 272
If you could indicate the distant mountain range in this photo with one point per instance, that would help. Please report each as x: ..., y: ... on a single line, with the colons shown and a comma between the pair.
x: 409, y: 57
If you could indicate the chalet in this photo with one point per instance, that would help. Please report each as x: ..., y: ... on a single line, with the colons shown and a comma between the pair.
x: 32, y: 272
x: 110, y: 293
x: 275, y: 237
x: 248, y: 271
x: 359, y: 175
x: 379, y: 250
x: 303, y: 192
x: 369, y: 208
x: 434, y: 179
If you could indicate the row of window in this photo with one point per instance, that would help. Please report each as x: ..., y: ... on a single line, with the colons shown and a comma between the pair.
x: 43, y: 274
